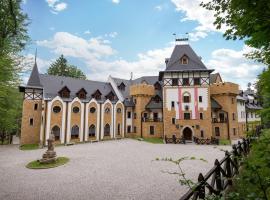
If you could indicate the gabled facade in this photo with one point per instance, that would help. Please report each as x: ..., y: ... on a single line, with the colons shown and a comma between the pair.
x: 185, y: 100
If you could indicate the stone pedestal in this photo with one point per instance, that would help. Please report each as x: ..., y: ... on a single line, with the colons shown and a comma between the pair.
x: 50, y: 155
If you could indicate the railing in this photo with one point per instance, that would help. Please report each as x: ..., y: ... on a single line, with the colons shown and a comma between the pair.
x: 152, y: 119
x: 220, y: 176
x: 206, y: 140
x: 215, y: 120
x: 174, y: 140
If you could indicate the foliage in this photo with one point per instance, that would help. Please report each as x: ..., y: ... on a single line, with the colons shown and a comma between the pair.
x: 61, y: 68
x: 13, y: 38
x: 224, y: 142
x: 37, y: 165
x: 248, y: 20
x: 254, y: 179
x: 182, y: 179
x: 29, y: 147
x: 152, y: 140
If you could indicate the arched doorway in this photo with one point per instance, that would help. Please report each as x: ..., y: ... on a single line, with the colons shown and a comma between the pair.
x: 92, y: 131
x: 187, y: 133
x: 75, y: 132
x: 56, y: 132
x: 107, y: 130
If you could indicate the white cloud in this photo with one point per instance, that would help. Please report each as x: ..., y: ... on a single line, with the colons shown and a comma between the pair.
x: 100, y: 59
x: 87, y: 32
x: 116, y: 1
x: 193, y: 11
x: 111, y: 35
x: 234, y: 67
x: 56, y: 6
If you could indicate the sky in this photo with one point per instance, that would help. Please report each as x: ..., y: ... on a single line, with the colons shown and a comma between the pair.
x: 117, y: 37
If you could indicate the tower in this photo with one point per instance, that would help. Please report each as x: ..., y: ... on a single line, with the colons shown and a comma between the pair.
x: 32, y: 109
x: 186, y: 95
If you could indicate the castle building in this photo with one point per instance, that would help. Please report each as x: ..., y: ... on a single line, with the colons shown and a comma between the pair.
x: 185, y: 100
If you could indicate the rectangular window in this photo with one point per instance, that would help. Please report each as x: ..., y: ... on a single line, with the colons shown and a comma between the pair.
x: 232, y: 100
x: 234, y: 131
x: 197, y: 81
x: 135, y: 115
x: 173, y: 120
x: 135, y: 129
x: 31, y: 122
x: 129, y: 115
x: 175, y: 82
x: 201, y: 115
x: 217, y: 133
x: 152, y: 130
x: 145, y: 115
x: 185, y: 81
x: 200, y: 99
x: 135, y: 101
x: 172, y: 104
x: 129, y: 129
x: 36, y: 106
x: 186, y: 115
x: 202, y: 133
x: 233, y: 116
x: 155, y: 117
x: 186, y: 99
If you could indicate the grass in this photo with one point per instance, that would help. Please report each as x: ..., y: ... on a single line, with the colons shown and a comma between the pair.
x: 29, y: 147
x: 152, y: 140
x: 224, y: 142
x: 37, y: 165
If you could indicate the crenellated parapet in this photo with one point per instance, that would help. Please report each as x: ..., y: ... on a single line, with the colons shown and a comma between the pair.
x: 224, y: 88
x: 142, y: 90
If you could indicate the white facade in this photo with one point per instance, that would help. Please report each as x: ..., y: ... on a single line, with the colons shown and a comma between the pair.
x: 241, y: 111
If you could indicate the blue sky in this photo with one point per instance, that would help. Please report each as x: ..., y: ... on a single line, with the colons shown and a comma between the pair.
x: 116, y: 37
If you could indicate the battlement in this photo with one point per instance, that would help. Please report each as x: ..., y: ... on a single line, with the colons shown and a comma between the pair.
x: 224, y: 88
x: 142, y: 89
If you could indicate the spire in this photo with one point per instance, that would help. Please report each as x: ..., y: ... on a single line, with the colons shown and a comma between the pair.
x: 34, y: 77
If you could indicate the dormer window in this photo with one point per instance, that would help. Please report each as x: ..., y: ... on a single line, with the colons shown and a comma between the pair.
x: 122, y: 86
x: 110, y: 96
x: 64, y: 92
x: 81, y: 94
x: 97, y: 95
x: 184, y: 60
x: 157, y: 86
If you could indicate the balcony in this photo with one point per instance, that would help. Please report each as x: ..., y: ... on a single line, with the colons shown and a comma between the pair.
x: 215, y: 120
x: 144, y: 119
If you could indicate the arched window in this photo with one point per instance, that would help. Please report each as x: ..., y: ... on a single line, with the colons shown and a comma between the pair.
x: 107, y: 130
x: 75, y: 132
x: 56, y: 132
x: 186, y: 98
x: 107, y: 110
x: 119, y: 110
x: 92, y: 131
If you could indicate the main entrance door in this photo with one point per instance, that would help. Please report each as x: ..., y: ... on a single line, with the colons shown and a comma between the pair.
x: 187, y: 133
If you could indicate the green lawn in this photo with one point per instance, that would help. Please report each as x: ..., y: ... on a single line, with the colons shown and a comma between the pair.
x: 152, y: 140
x: 37, y: 165
x: 29, y: 147
x: 224, y: 142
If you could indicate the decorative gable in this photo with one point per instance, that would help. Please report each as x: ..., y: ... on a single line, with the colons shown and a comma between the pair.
x: 64, y: 92
x: 97, y: 95
x: 81, y: 93
x: 122, y: 86
x: 110, y: 96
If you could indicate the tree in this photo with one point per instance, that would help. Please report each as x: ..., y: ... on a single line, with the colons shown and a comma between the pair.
x: 13, y: 38
x: 247, y: 20
x: 61, y: 68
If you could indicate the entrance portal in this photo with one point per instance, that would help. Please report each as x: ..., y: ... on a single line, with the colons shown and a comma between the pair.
x: 187, y: 133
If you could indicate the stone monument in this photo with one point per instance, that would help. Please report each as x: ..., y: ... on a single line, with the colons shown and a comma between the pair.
x: 50, y: 155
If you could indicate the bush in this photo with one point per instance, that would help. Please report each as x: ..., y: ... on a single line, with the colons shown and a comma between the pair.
x: 254, y: 179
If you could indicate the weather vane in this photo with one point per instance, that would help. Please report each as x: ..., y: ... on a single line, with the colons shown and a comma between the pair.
x: 183, y: 39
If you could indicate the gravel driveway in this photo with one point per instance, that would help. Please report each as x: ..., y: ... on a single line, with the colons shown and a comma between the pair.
x: 120, y: 169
